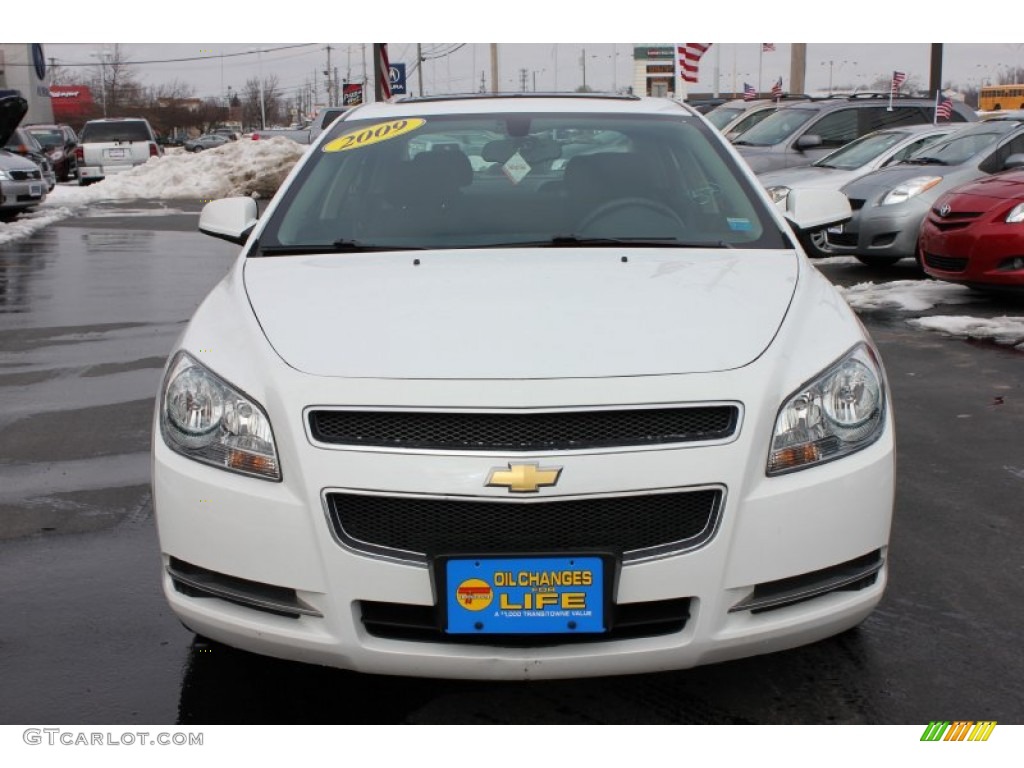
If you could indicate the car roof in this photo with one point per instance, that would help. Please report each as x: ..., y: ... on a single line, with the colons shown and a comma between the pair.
x: 517, y: 102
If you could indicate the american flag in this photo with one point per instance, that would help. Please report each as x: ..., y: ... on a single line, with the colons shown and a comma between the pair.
x: 777, y: 89
x: 898, y: 78
x: 767, y: 47
x: 749, y: 92
x: 689, y: 57
x: 943, y: 108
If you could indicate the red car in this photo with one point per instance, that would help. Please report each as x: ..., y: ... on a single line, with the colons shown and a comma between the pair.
x: 974, y: 234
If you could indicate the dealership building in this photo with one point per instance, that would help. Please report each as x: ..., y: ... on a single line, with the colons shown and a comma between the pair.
x: 23, y: 71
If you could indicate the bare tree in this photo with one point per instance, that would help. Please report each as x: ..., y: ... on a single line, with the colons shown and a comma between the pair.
x: 250, y: 97
x: 116, y: 82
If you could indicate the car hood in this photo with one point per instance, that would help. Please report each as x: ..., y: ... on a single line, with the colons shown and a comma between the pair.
x: 764, y: 159
x: 1002, y: 186
x: 808, y: 177
x: 12, y: 112
x: 881, y: 181
x: 12, y: 161
x: 521, y: 313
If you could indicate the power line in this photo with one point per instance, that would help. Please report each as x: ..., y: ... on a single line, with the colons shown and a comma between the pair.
x: 129, y: 62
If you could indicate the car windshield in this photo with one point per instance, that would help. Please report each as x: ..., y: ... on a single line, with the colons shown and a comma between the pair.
x: 22, y: 138
x: 48, y: 138
x: 723, y: 115
x: 963, y: 145
x: 748, y: 122
x: 861, y: 151
x: 519, y: 179
x: 777, y: 127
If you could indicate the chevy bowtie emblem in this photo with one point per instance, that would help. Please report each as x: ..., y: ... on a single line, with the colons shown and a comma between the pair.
x: 523, y: 478
x: 944, y: 210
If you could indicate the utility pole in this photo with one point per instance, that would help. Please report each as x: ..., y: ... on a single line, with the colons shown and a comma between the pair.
x: 327, y: 74
x: 798, y: 67
x: 494, y: 68
x: 522, y: 80
x: 583, y: 63
x: 935, y: 71
x: 419, y: 66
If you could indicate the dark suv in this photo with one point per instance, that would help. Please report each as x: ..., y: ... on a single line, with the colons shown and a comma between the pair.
x: 802, y: 133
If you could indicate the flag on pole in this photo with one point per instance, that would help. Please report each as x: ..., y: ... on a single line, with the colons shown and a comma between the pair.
x: 749, y: 92
x: 943, y: 107
x: 777, y: 89
x: 382, y: 69
x: 898, y: 78
x: 767, y: 47
x: 689, y: 58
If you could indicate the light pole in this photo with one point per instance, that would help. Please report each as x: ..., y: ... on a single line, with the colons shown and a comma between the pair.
x: 838, y: 67
x: 102, y: 56
x: 263, y: 108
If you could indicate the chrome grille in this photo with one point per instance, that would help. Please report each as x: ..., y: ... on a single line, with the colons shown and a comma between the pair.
x: 535, y: 432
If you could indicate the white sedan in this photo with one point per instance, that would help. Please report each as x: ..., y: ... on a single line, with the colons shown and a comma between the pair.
x: 522, y: 387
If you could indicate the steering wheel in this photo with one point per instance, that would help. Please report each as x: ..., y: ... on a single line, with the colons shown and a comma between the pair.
x: 625, y: 203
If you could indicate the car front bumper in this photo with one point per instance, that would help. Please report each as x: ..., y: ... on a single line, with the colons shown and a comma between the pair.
x: 259, y: 565
x: 881, y: 230
x: 978, y: 255
x: 19, y: 195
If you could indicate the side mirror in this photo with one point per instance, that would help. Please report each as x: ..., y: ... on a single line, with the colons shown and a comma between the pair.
x: 812, y: 209
x: 1015, y: 160
x: 230, y: 219
x: 807, y: 141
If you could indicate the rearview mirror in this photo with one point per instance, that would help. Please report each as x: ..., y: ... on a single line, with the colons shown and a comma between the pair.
x: 808, y: 141
x: 230, y: 219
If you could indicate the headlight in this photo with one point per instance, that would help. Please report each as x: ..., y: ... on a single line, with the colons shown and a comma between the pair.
x: 909, y: 189
x: 5, y: 176
x: 206, y: 419
x: 1016, y: 214
x: 840, y: 411
x: 777, y: 194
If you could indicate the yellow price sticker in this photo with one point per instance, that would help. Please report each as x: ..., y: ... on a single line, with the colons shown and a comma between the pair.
x: 374, y: 134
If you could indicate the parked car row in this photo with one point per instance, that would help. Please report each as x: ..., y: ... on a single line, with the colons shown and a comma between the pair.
x: 22, y: 184
x: 944, y: 194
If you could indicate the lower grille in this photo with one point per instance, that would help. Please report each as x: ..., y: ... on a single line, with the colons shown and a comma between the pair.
x: 193, y: 581
x: 416, y: 529
x: 945, y: 263
x: 844, y: 239
x: 850, y: 576
x: 421, y: 623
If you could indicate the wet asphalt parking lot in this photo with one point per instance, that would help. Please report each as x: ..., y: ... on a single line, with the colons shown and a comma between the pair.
x: 91, y: 307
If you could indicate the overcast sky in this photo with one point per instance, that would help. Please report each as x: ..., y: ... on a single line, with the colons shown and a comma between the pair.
x: 537, y: 37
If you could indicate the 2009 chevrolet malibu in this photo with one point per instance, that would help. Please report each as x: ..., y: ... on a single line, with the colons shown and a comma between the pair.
x: 522, y: 387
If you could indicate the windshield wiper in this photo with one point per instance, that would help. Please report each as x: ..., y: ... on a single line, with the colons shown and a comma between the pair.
x: 925, y: 161
x: 338, y: 246
x: 576, y: 241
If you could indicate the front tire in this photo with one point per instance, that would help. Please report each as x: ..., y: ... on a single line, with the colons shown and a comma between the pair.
x: 815, y: 244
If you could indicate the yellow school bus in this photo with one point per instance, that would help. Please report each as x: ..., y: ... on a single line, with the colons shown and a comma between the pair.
x: 1001, y: 97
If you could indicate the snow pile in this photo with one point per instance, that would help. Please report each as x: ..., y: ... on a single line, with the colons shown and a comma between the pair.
x: 243, y: 167
x: 1003, y: 330
x: 908, y: 295
x: 27, y: 223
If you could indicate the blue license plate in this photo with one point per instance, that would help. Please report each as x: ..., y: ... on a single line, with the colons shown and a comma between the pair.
x: 525, y: 595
